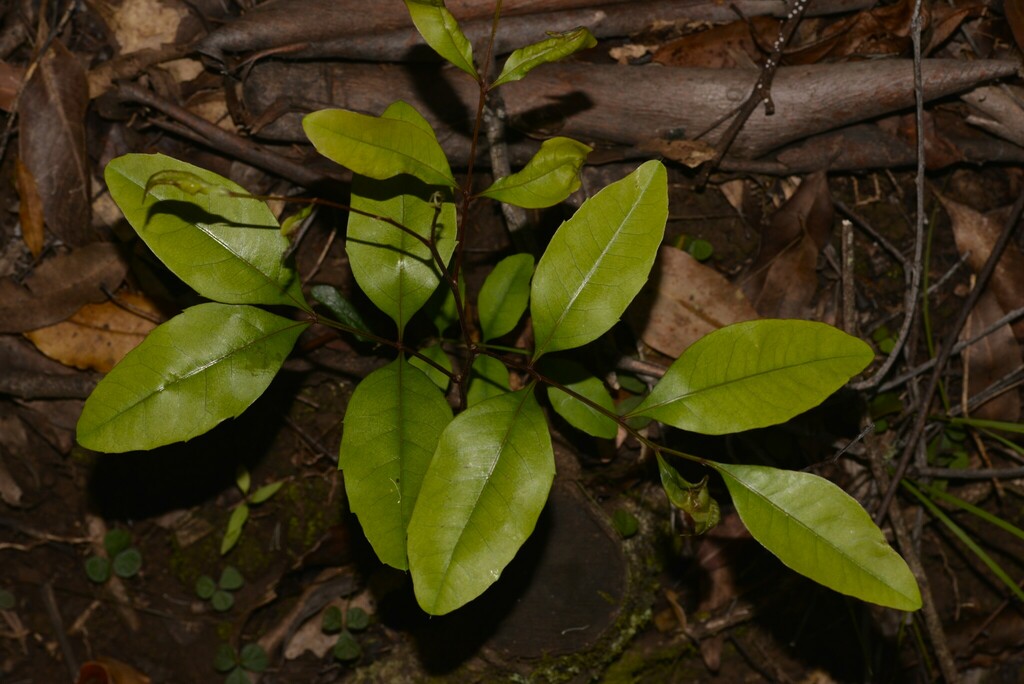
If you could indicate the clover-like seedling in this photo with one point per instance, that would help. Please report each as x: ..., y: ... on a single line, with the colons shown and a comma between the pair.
x: 355, y: 619
x: 238, y: 664
x: 123, y: 559
x: 219, y: 593
x: 239, y: 516
x: 7, y: 600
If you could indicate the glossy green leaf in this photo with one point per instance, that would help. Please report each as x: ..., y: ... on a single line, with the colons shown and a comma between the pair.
x: 753, y: 374
x: 575, y: 412
x: 396, y: 270
x: 380, y: 147
x: 236, y: 523
x: 198, y: 369
x: 693, y: 499
x: 488, y: 378
x: 558, y: 46
x: 504, y: 295
x: 598, y: 260
x: 821, y: 532
x: 480, y: 500
x: 226, y: 248
x: 342, y: 309
x: 393, y: 422
x: 440, y: 308
x: 552, y: 175
x: 436, y: 354
x: 265, y: 492
x: 441, y: 31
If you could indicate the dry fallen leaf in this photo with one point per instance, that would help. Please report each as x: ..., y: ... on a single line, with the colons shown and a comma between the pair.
x: 109, y: 671
x: 783, y: 279
x: 51, y: 142
x: 976, y: 233
x: 30, y: 210
x: 98, y: 335
x: 991, y: 359
x: 60, y: 286
x: 684, y: 300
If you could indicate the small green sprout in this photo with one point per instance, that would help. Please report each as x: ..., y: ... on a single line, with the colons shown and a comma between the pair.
x: 219, y: 593
x: 122, y: 558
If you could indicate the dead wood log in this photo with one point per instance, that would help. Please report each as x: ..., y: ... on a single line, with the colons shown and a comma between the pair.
x: 391, y: 37
x: 614, y: 104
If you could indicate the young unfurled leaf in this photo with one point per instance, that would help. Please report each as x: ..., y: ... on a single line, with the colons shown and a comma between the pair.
x: 582, y: 417
x: 598, y: 260
x: 202, y: 367
x: 480, y: 500
x: 236, y: 523
x: 441, y: 31
x: 552, y: 175
x: 504, y: 295
x: 488, y: 378
x: 226, y: 248
x: 436, y: 354
x: 186, y: 181
x: 381, y: 147
x: 243, y: 480
x: 395, y: 269
x: 558, y: 46
x: 692, y: 499
x: 265, y: 492
x: 341, y: 308
x: 821, y: 532
x: 393, y: 422
x: 754, y: 374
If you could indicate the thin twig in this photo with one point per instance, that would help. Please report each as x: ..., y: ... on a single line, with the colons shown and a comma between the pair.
x: 762, y: 91
x: 959, y: 347
x: 861, y: 223
x: 53, y: 612
x: 975, y: 474
x: 221, y: 140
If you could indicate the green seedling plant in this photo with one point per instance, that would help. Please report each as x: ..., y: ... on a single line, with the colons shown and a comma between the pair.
x: 345, y: 625
x: 121, y: 559
x: 446, y: 450
x: 240, y: 514
x: 220, y: 594
x: 238, y: 664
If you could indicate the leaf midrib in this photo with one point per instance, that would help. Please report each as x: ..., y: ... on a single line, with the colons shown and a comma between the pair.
x: 642, y: 409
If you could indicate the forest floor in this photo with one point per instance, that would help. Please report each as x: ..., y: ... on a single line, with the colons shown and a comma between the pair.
x: 812, y: 214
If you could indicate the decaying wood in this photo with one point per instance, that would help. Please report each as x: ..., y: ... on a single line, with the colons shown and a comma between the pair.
x: 617, y: 104
x: 369, y: 30
x: 384, y: 42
